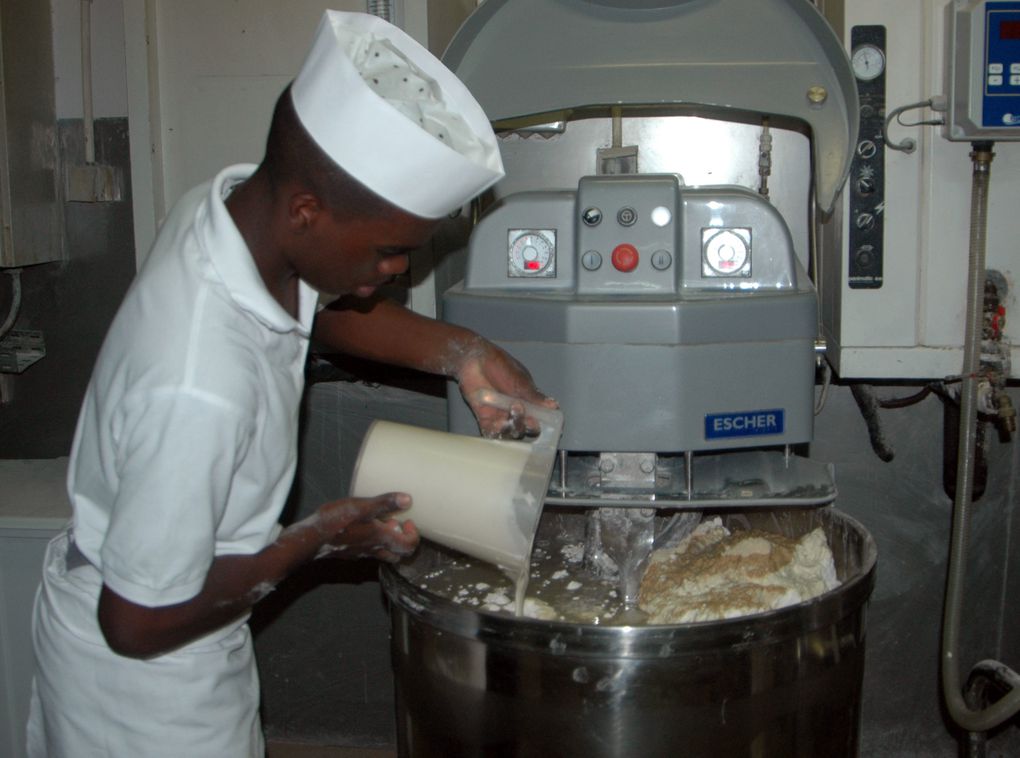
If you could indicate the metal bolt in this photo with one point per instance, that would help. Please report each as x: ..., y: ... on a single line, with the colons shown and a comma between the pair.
x: 1006, y: 411
x: 606, y: 465
x: 817, y: 94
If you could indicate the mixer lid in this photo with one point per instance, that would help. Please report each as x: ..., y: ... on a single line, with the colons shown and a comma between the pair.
x: 719, y: 58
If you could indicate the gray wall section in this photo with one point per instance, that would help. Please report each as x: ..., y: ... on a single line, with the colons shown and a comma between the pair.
x: 324, y: 655
x: 72, y: 302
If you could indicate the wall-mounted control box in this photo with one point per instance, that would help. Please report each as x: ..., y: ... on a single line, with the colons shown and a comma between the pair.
x: 983, y: 70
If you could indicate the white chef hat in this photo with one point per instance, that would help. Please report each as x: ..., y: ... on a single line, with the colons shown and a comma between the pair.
x: 394, y: 117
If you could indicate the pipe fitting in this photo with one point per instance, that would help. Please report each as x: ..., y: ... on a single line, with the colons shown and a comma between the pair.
x: 1006, y: 411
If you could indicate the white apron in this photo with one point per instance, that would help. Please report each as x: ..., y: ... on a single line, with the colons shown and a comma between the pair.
x: 199, y: 702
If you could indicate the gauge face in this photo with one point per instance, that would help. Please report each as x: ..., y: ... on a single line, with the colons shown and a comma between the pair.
x: 531, y: 252
x: 726, y: 252
x: 868, y: 62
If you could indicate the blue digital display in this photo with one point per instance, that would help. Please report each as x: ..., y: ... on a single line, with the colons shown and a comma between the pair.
x: 744, y: 424
x: 1001, y: 100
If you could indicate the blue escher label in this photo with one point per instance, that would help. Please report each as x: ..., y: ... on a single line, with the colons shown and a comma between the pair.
x: 745, y: 424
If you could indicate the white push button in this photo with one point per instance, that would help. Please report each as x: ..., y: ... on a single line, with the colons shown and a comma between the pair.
x: 994, y: 68
x: 661, y: 215
x: 995, y: 80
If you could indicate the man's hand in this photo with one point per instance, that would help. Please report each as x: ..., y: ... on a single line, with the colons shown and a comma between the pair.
x: 352, y: 527
x: 356, y: 528
x: 486, y: 366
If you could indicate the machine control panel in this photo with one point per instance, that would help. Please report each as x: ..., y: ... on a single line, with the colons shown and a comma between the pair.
x: 984, y: 70
x: 627, y: 233
x: 639, y: 235
x: 867, y: 170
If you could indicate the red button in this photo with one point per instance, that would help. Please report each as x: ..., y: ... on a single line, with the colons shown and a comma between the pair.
x: 625, y: 257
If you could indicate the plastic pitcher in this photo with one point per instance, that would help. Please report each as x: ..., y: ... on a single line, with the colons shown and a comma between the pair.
x: 480, y: 496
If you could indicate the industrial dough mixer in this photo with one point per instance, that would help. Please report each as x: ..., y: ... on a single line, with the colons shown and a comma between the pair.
x: 648, y: 257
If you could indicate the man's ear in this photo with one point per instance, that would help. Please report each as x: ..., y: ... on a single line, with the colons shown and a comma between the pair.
x: 303, y: 211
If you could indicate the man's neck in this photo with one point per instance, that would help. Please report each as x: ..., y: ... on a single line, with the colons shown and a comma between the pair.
x: 254, y: 213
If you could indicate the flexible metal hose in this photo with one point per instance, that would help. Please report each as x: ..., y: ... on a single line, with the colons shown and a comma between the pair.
x: 990, y: 717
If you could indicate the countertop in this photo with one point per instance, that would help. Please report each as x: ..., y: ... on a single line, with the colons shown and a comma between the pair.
x: 33, y: 493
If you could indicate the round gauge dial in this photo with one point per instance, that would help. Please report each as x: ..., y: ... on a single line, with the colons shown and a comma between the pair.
x: 726, y: 254
x: 868, y: 62
x: 532, y: 252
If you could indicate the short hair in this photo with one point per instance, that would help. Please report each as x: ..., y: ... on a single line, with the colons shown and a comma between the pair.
x: 292, y: 155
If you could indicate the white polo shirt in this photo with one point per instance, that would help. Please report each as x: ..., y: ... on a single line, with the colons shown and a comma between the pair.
x: 187, y: 440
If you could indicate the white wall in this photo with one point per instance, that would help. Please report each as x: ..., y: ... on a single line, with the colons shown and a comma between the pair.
x: 203, y: 80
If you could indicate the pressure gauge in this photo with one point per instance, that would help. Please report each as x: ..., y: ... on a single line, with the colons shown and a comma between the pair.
x: 726, y: 252
x: 531, y: 253
x: 868, y: 62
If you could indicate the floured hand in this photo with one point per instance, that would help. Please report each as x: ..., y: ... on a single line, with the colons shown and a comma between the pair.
x: 357, y: 528
x: 486, y: 366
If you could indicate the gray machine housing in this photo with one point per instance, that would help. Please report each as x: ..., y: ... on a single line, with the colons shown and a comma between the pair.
x: 679, y: 354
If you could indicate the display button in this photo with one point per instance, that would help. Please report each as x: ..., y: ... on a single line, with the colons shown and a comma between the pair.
x: 994, y: 68
x: 626, y: 216
x: 865, y: 222
x: 995, y: 80
x: 625, y: 258
x: 661, y: 260
x: 591, y: 216
x: 866, y: 185
x: 867, y: 149
x: 591, y: 260
x: 865, y: 256
x: 1014, y: 68
x: 1014, y: 80
x: 661, y: 215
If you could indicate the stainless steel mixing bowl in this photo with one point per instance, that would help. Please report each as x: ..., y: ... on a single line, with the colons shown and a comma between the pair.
x: 784, y: 683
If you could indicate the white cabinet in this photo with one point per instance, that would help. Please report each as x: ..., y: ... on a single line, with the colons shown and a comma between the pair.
x: 33, y: 508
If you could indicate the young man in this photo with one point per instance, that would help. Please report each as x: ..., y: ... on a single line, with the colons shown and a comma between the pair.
x: 186, y: 445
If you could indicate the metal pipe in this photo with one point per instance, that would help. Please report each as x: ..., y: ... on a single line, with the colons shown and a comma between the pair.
x: 987, y: 718
x: 12, y: 315
x: 383, y: 9
x: 88, y: 121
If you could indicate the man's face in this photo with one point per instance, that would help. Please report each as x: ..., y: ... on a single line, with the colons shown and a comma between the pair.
x: 355, y: 256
